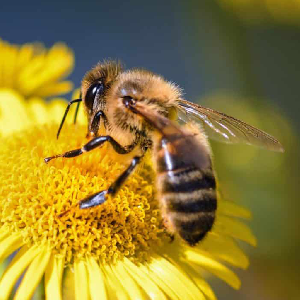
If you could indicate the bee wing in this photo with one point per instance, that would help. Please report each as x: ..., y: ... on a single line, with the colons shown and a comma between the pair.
x: 227, y: 129
x: 182, y: 145
x: 164, y: 125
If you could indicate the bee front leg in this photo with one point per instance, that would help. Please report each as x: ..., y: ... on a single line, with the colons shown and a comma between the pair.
x: 100, y: 197
x: 92, y: 144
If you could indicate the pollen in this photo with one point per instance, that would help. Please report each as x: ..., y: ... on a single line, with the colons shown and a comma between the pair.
x: 33, y: 195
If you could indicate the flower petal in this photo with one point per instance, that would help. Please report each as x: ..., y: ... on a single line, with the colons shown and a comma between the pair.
x: 96, y: 280
x: 68, y: 283
x: 203, y: 259
x: 180, y: 284
x: 114, y: 288
x: 81, y: 281
x: 4, y: 232
x: 57, y: 108
x: 10, y: 244
x: 33, y: 275
x: 12, y: 112
x: 234, y: 228
x: 201, y: 283
x: 144, y: 281
x: 225, y: 248
x: 25, y: 54
x: 14, y: 270
x: 120, y: 273
x: 230, y: 208
x: 160, y: 281
x: 37, y: 110
x: 56, y: 88
x: 53, y: 278
x: 45, y: 69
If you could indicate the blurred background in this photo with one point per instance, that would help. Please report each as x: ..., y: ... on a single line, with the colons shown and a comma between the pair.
x: 240, y: 57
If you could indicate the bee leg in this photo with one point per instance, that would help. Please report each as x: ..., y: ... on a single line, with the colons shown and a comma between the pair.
x: 167, y: 231
x: 94, y: 143
x: 76, y: 111
x: 99, y: 198
x: 172, y: 237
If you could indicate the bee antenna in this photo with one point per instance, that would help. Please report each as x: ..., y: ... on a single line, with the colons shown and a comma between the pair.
x: 66, y: 112
x: 76, y: 112
x: 77, y: 108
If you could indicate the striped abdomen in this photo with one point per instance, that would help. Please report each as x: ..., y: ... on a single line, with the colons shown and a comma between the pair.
x: 187, y: 192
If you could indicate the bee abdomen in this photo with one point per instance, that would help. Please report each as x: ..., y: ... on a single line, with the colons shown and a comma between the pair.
x: 189, y: 198
x: 194, y: 202
x: 187, y: 179
x: 192, y: 227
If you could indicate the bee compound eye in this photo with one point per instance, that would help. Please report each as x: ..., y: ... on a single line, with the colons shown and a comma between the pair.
x: 94, y: 90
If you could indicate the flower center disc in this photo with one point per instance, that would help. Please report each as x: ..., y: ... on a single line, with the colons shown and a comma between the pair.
x: 33, y: 195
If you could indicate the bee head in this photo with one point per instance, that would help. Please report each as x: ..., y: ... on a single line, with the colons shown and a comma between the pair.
x: 95, y: 85
x: 143, y: 88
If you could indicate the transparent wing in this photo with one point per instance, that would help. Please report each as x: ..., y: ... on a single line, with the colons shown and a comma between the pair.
x: 222, y: 127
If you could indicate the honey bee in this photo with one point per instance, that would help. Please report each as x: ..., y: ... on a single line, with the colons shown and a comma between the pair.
x: 137, y: 111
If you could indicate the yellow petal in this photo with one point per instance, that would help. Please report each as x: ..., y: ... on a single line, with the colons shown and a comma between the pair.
x: 176, y: 254
x: 54, y: 89
x: 37, y: 110
x: 14, y: 270
x: 10, y: 244
x: 133, y: 290
x: 202, y: 259
x: 144, y: 281
x: 53, y: 278
x: 25, y: 53
x: 44, y: 69
x: 114, y: 289
x: 68, y: 284
x: 160, y: 281
x: 3, y: 233
x: 33, y: 275
x: 60, y: 61
x: 81, y: 281
x: 31, y: 76
x: 229, y: 208
x: 225, y: 248
x: 180, y: 284
x: 56, y: 110
x: 234, y: 228
x: 96, y: 280
x: 204, y: 286
x: 13, y: 114
x: 201, y: 283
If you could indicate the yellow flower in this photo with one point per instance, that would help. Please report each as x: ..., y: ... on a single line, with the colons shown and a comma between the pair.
x: 33, y: 71
x: 118, y: 250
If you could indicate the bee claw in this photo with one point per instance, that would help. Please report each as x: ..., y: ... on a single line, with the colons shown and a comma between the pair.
x: 64, y: 213
x: 47, y: 159
x: 172, y: 238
